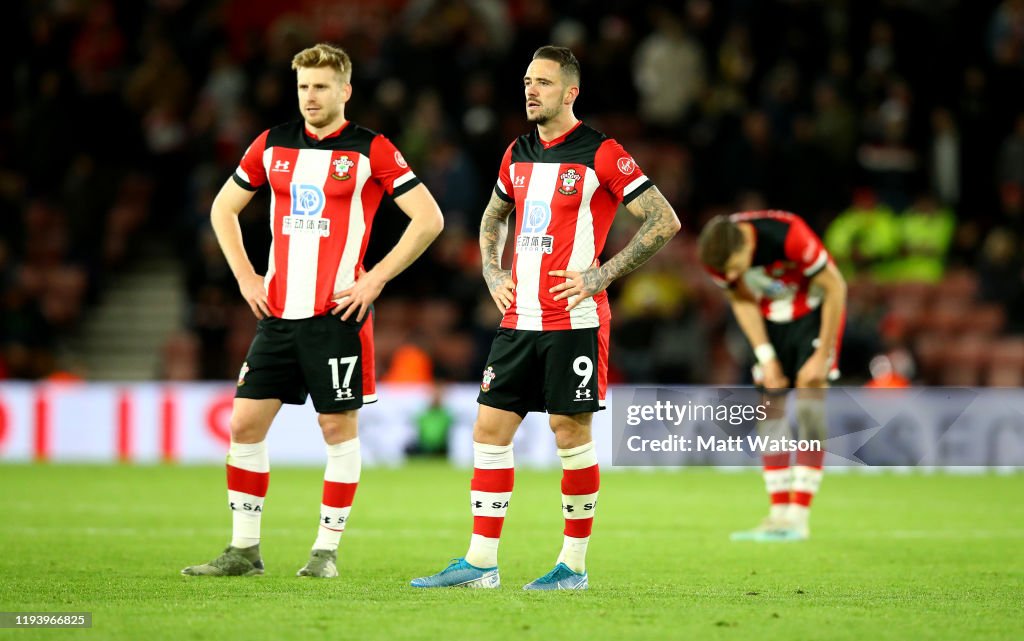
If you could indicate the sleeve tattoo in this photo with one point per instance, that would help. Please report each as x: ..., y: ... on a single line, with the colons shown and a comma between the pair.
x: 659, y: 226
x: 493, y: 232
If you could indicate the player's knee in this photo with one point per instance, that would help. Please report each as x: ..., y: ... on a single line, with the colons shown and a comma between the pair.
x: 569, y: 431
x: 810, y: 416
x: 338, y: 427
x: 244, y: 430
x: 484, y: 432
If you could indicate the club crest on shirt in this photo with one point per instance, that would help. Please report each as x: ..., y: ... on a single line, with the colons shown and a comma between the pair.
x: 241, y: 374
x: 341, y: 166
x: 485, y: 385
x: 569, y: 180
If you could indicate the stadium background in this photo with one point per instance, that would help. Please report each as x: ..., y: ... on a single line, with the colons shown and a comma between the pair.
x: 891, y: 126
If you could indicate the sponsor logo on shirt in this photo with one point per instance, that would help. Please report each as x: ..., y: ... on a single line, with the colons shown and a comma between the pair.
x: 307, y: 203
x: 282, y: 165
x: 533, y: 237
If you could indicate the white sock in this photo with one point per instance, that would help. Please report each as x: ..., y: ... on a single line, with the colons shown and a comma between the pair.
x: 490, y: 493
x: 246, y: 507
x: 780, y: 511
x: 799, y: 515
x: 580, y: 484
x: 341, y: 477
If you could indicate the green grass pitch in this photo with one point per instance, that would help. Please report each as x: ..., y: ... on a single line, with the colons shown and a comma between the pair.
x: 891, y: 557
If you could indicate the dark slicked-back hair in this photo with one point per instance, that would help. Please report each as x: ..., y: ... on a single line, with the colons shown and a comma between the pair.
x: 568, y: 63
x: 720, y: 239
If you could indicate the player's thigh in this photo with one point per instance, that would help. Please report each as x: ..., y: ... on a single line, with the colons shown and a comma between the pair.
x: 513, y: 381
x: 271, y: 368
x: 573, y: 369
x: 336, y: 359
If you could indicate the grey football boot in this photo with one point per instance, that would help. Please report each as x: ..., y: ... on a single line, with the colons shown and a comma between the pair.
x: 322, y: 564
x: 232, y: 562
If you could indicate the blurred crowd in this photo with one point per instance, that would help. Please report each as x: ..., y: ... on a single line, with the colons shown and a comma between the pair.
x: 890, y: 125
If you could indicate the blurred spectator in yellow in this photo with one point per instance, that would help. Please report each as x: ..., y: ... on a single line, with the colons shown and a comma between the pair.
x: 925, y: 233
x: 864, y: 239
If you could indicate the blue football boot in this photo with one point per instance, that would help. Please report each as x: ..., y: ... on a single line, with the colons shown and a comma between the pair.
x: 460, y: 574
x: 561, y: 578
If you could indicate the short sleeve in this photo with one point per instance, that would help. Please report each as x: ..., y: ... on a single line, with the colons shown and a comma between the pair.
x: 251, y: 174
x: 618, y: 172
x: 804, y: 248
x: 388, y: 167
x: 503, y: 188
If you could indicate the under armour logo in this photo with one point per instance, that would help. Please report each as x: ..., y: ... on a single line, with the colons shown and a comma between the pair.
x: 568, y: 508
x: 582, y: 394
x: 343, y: 394
x: 282, y: 165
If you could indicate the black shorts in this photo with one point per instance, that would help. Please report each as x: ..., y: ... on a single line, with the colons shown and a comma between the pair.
x: 795, y: 342
x: 323, y: 357
x: 555, y: 371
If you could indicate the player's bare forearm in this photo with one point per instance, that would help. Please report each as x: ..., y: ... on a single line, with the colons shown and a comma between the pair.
x: 228, y: 204
x: 425, y: 225
x: 833, y: 306
x: 749, y: 318
x: 493, y: 232
x: 659, y: 226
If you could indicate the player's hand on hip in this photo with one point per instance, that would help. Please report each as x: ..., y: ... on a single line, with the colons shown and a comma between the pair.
x: 254, y: 291
x: 358, y: 298
x: 502, y: 288
x: 578, y: 286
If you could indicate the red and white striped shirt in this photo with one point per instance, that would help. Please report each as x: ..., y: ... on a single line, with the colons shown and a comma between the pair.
x: 566, y: 193
x: 787, y: 255
x: 323, y: 196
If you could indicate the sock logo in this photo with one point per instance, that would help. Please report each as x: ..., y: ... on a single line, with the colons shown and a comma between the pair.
x: 495, y: 505
x: 245, y: 507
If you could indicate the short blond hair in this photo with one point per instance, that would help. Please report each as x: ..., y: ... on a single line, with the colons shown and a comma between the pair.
x: 324, y: 55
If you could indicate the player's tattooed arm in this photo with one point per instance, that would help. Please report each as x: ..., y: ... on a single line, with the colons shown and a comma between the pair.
x: 493, y: 232
x: 660, y: 224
